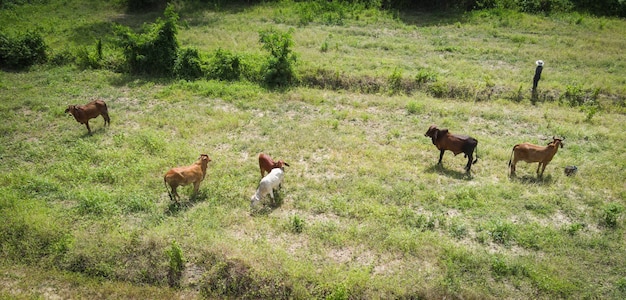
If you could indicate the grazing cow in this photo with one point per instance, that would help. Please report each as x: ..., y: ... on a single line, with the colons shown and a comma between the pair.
x: 444, y: 140
x: 266, y: 164
x: 82, y: 113
x: 182, y: 176
x: 533, y: 153
x: 268, y: 184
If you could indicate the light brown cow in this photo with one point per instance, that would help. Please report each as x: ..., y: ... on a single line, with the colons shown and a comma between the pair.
x: 82, y: 113
x: 266, y: 164
x: 182, y: 176
x: 531, y: 153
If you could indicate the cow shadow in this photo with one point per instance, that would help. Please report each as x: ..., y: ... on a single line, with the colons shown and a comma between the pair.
x: 176, y: 207
x: 533, y: 179
x: 440, y: 169
x: 87, y: 135
x: 266, y: 206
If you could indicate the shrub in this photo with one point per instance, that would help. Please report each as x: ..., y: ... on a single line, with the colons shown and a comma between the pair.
x: 62, y: 58
x: 414, y: 107
x: 501, y: 232
x: 278, y: 71
x: 23, y: 51
x: 395, y: 81
x: 574, y: 95
x: 175, y: 272
x: 153, y: 53
x: 225, y: 66
x: 188, y: 64
x: 88, y: 60
x: 425, y: 75
x: 611, y: 214
x: 297, y: 224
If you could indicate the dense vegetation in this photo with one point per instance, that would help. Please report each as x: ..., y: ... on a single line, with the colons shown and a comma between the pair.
x: 344, y: 93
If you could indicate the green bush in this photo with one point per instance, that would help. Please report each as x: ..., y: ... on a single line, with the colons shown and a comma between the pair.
x: 188, y: 64
x: 225, y: 66
x: 177, y: 264
x: 22, y: 51
x: 297, y: 224
x: 395, y: 81
x: 425, y: 76
x: 611, y: 214
x: 155, y: 52
x: 278, y: 71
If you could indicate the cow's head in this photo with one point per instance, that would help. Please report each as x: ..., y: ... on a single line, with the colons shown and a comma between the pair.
x: 557, y: 142
x: 280, y: 165
x: 204, y: 159
x: 70, y: 109
x: 432, y: 132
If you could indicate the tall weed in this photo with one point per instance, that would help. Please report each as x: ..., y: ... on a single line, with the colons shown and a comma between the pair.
x: 278, y: 70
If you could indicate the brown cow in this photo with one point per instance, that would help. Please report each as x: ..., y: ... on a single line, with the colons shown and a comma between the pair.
x: 266, y: 164
x: 444, y: 140
x: 531, y: 153
x: 82, y: 113
x: 182, y: 176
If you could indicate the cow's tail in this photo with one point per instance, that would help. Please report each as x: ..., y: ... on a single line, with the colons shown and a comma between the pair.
x: 476, y: 160
x: 511, y: 157
x: 168, y: 190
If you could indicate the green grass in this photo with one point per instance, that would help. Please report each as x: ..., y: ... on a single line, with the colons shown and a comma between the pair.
x: 364, y: 212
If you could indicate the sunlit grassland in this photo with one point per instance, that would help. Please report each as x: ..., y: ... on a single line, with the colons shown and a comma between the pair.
x: 89, y: 216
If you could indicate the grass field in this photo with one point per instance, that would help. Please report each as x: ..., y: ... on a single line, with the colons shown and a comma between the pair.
x: 365, y: 212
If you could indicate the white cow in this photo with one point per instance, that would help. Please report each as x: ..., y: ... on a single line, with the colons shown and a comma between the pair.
x: 268, y: 184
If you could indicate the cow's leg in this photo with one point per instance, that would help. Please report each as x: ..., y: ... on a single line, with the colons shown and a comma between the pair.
x: 538, y: 167
x: 196, y: 187
x: 175, y: 194
x: 468, y: 167
x: 513, y: 167
x: 272, y: 194
x: 440, y: 156
x: 543, y: 168
x: 107, y: 120
x: 88, y: 129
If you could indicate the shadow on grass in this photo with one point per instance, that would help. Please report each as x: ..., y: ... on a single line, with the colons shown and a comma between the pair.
x: 98, y: 130
x: 439, y: 169
x: 174, y: 208
x: 267, y: 205
x: 530, y: 179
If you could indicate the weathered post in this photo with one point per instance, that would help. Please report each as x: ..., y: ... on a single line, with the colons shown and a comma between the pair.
x: 538, y: 70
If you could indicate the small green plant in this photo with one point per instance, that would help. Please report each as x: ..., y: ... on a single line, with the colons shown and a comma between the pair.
x: 574, y: 95
x: 395, y: 81
x: 324, y: 47
x: 425, y: 75
x: 297, y: 224
x: 573, y: 228
x: 176, y: 266
x: 621, y: 285
x: 88, y: 60
x: 501, y: 232
x: 413, y: 107
x: 611, y: 214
